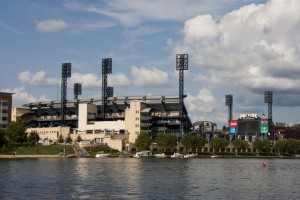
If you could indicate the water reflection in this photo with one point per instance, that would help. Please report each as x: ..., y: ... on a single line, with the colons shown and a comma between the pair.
x: 130, y: 178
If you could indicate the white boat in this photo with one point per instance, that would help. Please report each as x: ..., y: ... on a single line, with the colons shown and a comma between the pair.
x: 102, y: 155
x: 177, y: 155
x: 190, y: 155
x: 213, y: 156
x: 160, y: 155
x: 143, y: 154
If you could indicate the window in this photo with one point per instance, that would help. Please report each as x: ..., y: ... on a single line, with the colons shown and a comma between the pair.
x: 4, y: 118
x: 4, y: 103
x: 4, y: 111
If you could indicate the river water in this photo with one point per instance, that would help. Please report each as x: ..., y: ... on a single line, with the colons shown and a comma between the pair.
x: 134, y: 178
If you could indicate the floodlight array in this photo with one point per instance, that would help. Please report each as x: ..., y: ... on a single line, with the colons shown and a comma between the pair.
x: 269, y: 97
x: 182, y: 61
x: 109, y: 92
x: 229, y: 100
x: 106, y: 66
x: 77, y: 88
x: 66, y: 70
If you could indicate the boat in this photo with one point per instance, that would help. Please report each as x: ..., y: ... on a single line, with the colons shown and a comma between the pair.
x: 190, y: 155
x: 102, y: 155
x: 177, y: 155
x: 125, y: 155
x: 143, y: 154
x: 214, y: 156
x: 160, y: 155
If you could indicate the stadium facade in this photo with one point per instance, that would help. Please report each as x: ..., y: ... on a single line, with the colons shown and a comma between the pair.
x: 125, y: 118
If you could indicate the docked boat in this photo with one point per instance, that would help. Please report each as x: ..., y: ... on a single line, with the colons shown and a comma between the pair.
x: 125, y: 155
x: 143, y: 154
x: 160, y: 155
x: 102, y: 155
x: 177, y: 155
x: 190, y: 155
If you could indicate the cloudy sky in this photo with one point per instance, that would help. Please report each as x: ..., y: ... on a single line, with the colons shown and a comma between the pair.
x: 239, y: 47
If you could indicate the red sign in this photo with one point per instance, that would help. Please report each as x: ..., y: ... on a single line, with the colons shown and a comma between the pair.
x: 233, y: 123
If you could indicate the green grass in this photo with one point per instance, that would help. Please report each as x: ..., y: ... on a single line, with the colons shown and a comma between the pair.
x: 45, y: 150
x: 93, y: 150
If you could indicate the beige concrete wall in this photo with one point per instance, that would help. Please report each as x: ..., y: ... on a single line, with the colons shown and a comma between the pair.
x: 133, y: 119
x: 50, y: 133
x: 84, y: 110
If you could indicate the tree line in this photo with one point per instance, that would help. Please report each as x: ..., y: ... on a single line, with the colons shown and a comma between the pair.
x: 16, y: 136
x: 193, y: 143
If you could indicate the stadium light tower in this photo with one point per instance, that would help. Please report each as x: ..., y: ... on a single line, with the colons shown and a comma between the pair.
x: 269, y: 101
x: 229, y: 103
x: 65, y: 74
x: 77, y: 90
x: 181, y: 65
x: 106, y: 69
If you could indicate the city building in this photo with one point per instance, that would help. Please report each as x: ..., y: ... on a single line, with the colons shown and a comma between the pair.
x: 125, y: 118
x: 5, y: 109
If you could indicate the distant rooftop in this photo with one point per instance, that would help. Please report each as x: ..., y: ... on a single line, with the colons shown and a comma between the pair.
x: 6, y: 94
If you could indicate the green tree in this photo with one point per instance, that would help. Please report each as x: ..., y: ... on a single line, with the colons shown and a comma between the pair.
x: 33, y: 138
x: 3, y: 139
x: 218, y: 143
x: 266, y: 145
x: 171, y: 141
x: 68, y: 139
x: 258, y: 145
x: 193, y: 141
x: 166, y: 141
x: 143, y: 141
x: 78, y: 139
x: 281, y: 146
x: 293, y: 146
x: 60, y: 139
x: 240, y: 144
x: 162, y: 141
x: 16, y: 132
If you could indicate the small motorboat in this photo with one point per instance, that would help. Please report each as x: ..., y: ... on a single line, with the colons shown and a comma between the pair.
x: 102, y: 155
x: 190, y: 155
x: 143, y: 154
x: 177, y: 155
x: 160, y: 155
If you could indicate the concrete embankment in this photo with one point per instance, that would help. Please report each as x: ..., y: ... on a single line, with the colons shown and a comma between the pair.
x: 31, y: 156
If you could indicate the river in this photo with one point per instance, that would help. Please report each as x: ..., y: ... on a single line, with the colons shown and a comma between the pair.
x: 134, y: 178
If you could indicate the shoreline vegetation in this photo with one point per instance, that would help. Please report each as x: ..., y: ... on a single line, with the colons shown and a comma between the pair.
x: 7, y: 156
x: 69, y: 151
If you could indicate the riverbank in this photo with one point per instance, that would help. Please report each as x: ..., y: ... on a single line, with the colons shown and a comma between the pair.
x: 5, y: 156
x: 35, y: 156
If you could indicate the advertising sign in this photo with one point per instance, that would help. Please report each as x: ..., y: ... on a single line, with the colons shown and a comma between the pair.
x: 233, y: 130
x: 233, y: 123
x: 264, y: 129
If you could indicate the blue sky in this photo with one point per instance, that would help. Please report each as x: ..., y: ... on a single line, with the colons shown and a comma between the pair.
x: 239, y: 47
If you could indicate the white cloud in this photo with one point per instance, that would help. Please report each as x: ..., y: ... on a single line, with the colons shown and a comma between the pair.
x: 97, y: 25
x: 203, y: 102
x: 21, y: 97
x: 32, y: 78
x: 154, y: 77
x: 51, y: 25
x: 254, y: 47
x: 132, y: 13
x: 89, y: 80
x: 118, y: 80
